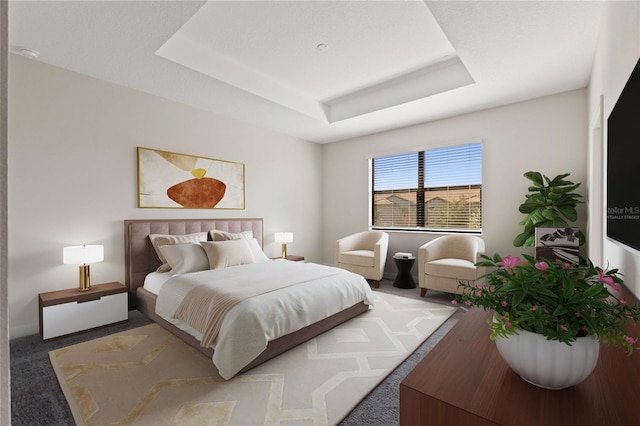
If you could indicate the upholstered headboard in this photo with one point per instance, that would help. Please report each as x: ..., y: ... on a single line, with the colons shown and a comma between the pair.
x: 141, y: 258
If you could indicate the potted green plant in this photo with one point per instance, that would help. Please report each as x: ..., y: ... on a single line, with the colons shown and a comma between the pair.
x: 551, y: 203
x: 558, y: 302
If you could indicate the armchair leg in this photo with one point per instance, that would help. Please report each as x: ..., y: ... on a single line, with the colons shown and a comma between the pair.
x: 423, y: 291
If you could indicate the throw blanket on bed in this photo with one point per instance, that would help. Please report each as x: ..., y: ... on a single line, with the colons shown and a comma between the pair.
x: 253, y: 323
x: 205, y: 306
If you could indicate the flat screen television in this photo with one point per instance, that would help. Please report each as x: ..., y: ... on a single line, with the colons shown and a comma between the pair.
x: 623, y: 165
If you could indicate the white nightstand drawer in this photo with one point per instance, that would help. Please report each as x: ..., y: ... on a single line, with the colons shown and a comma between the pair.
x: 66, y: 318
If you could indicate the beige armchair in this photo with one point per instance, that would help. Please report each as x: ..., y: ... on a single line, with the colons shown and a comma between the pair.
x: 364, y: 253
x: 447, y: 260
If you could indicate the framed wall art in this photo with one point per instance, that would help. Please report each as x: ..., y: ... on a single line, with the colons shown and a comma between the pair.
x: 558, y: 244
x: 171, y: 180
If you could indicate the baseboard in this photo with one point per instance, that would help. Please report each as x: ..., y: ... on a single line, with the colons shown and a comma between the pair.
x: 389, y: 276
x: 24, y: 330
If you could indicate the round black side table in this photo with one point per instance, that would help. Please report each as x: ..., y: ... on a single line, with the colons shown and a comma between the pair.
x: 404, y: 279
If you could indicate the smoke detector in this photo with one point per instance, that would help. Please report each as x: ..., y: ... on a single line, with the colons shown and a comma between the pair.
x: 24, y: 51
x: 28, y: 53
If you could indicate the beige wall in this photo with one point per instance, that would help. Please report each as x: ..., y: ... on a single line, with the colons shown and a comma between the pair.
x: 547, y: 134
x: 72, y: 176
x: 617, y: 53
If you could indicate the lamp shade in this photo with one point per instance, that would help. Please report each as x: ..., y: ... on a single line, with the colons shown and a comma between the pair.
x: 284, y: 237
x: 82, y: 255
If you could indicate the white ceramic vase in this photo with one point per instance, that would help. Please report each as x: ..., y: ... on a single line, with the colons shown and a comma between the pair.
x: 549, y: 364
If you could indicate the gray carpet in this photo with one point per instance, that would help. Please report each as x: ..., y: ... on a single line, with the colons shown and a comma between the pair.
x: 36, y: 397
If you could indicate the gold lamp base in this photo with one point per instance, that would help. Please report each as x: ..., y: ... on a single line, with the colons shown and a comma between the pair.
x: 85, y: 278
x: 284, y: 251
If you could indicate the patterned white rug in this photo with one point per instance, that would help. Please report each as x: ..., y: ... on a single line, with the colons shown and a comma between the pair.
x: 146, y: 376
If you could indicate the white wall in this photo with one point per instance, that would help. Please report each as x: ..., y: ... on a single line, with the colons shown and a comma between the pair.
x: 617, y: 53
x: 547, y: 134
x: 72, y: 176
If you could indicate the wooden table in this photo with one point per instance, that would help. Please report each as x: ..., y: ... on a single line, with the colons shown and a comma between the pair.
x: 464, y: 381
x: 68, y: 311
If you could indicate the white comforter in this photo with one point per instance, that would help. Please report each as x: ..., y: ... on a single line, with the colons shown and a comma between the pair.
x: 250, y: 325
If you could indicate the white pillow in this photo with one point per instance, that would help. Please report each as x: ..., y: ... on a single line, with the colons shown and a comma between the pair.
x: 223, y: 254
x: 183, y: 258
x: 256, y: 251
x: 217, y: 235
x: 159, y: 240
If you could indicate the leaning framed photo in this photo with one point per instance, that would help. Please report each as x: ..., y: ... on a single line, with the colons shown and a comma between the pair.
x: 172, y: 180
x: 558, y: 244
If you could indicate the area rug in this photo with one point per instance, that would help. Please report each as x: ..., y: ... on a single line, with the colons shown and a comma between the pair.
x: 146, y: 376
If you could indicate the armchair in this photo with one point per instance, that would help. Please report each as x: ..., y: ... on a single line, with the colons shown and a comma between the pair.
x: 364, y: 253
x: 445, y: 261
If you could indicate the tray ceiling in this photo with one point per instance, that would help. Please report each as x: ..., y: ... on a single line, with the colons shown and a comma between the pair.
x: 320, y: 70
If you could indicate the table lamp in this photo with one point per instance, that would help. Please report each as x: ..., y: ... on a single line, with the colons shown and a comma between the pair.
x: 284, y: 238
x: 83, y: 256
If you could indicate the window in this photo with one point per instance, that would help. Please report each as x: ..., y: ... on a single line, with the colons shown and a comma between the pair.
x: 437, y: 189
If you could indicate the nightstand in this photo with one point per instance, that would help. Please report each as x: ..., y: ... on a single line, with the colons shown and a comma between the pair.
x: 69, y: 311
x: 292, y: 258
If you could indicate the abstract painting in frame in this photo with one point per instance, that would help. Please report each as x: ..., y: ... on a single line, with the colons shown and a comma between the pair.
x: 171, y: 180
x: 558, y: 244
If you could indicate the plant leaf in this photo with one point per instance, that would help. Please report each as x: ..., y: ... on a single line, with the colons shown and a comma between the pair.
x: 534, y: 177
x: 559, y: 180
x: 530, y: 242
x: 569, y: 212
x: 521, y: 238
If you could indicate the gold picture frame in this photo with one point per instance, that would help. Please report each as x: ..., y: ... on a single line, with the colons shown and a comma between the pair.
x: 172, y: 180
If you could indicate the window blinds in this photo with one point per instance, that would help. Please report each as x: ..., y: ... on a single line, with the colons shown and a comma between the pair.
x: 437, y: 189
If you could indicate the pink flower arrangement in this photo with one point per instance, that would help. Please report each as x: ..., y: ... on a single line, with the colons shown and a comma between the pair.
x: 559, y: 300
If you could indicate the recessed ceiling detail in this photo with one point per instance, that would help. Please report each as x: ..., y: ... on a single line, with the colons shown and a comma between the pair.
x: 425, y: 82
x: 258, y: 62
x: 268, y: 49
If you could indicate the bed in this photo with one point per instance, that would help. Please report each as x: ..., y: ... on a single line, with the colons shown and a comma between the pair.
x: 142, y: 262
